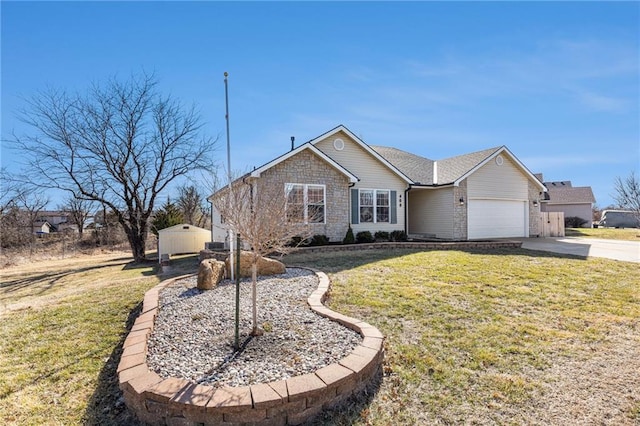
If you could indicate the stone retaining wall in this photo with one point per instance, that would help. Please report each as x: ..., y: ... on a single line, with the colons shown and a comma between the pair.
x: 174, y: 401
x: 418, y: 245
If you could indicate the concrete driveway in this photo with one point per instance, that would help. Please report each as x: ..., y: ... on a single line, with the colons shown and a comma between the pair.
x: 628, y: 251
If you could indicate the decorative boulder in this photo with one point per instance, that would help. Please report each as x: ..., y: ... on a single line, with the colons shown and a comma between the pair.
x: 266, y: 266
x: 210, y: 273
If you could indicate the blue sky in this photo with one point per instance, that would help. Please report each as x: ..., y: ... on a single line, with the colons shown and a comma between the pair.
x: 556, y: 82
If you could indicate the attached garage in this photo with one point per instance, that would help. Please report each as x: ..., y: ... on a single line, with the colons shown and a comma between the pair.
x: 183, y: 238
x: 497, y: 219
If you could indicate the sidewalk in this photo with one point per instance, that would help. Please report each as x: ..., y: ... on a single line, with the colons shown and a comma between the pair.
x: 628, y: 251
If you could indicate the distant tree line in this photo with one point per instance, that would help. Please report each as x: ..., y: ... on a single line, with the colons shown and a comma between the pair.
x: 87, y: 223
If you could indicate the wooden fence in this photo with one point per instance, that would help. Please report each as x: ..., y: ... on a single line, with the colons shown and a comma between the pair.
x: 552, y: 224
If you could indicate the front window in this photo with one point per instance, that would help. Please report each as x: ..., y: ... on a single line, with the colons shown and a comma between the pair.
x: 315, y: 204
x: 295, y: 203
x: 366, y: 205
x: 382, y: 206
x: 374, y: 205
x: 305, y: 203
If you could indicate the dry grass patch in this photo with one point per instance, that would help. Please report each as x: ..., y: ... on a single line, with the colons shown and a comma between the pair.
x: 498, y: 337
x: 626, y: 234
x: 492, y: 337
x: 61, y: 335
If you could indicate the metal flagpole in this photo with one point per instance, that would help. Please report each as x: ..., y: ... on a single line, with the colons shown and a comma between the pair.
x: 226, y: 116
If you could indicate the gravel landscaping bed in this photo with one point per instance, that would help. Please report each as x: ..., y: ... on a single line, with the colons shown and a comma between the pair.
x: 194, y: 332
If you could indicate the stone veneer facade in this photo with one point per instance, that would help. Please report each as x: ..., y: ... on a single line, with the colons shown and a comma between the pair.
x: 307, y: 168
x: 534, y: 211
x: 460, y: 216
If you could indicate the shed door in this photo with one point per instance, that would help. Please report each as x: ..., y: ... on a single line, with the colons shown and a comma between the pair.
x: 497, y: 219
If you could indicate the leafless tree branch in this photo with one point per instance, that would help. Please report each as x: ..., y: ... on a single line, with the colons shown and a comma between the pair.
x: 121, y: 145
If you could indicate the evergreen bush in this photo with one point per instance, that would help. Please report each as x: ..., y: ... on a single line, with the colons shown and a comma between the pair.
x: 349, y: 238
x: 364, y: 237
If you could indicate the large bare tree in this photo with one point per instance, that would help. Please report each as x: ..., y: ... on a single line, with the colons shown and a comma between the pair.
x: 259, y: 213
x: 120, y: 144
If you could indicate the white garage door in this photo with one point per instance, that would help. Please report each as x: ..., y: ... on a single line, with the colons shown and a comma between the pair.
x: 497, y: 219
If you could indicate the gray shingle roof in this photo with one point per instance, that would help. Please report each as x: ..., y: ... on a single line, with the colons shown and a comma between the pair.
x: 451, y: 169
x: 418, y: 169
x: 570, y: 195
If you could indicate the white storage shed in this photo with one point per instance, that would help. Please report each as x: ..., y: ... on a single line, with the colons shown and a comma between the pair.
x: 183, y: 238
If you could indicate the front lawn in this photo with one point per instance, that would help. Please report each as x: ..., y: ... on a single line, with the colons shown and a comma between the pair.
x: 494, y: 337
x: 507, y: 337
x: 62, y: 325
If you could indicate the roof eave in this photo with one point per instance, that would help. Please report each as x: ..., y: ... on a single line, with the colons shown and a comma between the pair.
x: 366, y: 147
x: 257, y: 172
x: 519, y: 164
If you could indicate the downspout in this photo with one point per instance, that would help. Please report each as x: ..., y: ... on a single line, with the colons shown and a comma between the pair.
x: 351, y: 185
x: 406, y: 210
x: 211, y: 217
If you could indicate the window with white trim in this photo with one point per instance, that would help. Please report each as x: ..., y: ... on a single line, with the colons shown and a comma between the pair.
x: 366, y: 205
x: 382, y: 206
x: 305, y: 203
x: 374, y: 205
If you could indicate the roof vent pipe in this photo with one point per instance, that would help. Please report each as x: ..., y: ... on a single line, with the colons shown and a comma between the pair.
x: 293, y: 138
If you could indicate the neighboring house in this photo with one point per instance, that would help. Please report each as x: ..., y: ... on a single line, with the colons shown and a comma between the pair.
x: 59, y: 221
x: 573, y: 201
x: 485, y: 194
x: 42, y: 227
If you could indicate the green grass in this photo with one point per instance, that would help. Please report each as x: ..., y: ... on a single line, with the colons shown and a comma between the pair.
x: 626, y: 234
x: 468, y: 332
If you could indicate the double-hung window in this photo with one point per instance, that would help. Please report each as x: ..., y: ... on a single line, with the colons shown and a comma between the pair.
x: 305, y: 203
x: 373, y: 206
x: 382, y: 206
x: 366, y: 205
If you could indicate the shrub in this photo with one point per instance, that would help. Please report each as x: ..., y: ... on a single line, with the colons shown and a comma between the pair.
x: 298, y: 242
x: 381, y: 236
x: 574, y: 222
x: 364, y: 237
x: 349, y: 238
x: 319, y: 240
x: 398, y: 235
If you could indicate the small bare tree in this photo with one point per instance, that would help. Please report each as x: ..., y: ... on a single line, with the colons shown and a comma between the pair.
x: 259, y: 214
x: 79, y: 211
x: 32, y: 202
x: 628, y: 193
x: 14, y: 224
x: 193, y: 206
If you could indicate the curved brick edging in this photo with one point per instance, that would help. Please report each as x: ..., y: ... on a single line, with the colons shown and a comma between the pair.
x: 174, y: 401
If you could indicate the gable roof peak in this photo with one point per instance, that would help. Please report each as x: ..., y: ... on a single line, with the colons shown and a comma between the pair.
x: 363, y: 145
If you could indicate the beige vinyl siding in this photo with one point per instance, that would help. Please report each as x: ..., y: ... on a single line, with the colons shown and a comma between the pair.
x: 431, y: 212
x: 372, y: 174
x: 491, y: 181
x: 579, y: 210
x: 219, y: 231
